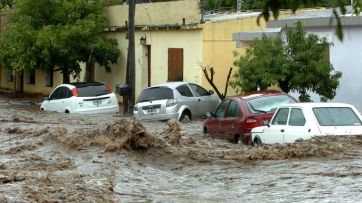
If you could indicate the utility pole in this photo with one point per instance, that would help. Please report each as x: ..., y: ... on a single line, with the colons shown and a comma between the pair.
x: 131, y: 63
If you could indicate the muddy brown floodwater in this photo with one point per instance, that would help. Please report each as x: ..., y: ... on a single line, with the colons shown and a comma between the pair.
x: 56, y: 157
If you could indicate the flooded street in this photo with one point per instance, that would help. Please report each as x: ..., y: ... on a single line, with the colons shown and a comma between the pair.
x: 56, y: 157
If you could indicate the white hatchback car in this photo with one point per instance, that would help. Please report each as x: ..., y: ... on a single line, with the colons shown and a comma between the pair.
x: 175, y: 100
x: 301, y: 121
x: 82, y: 97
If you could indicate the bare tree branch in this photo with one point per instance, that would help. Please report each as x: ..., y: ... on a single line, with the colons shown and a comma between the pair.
x: 210, y: 79
x: 227, y: 82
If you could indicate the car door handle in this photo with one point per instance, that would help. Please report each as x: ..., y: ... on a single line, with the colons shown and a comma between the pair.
x: 282, y: 130
x: 199, y: 100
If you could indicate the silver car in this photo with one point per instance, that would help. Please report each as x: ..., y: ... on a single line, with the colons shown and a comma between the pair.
x: 175, y: 100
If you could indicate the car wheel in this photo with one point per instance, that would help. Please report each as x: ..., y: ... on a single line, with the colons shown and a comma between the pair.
x: 185, y: 117
x: 238, y: 139
x: 257, y: 141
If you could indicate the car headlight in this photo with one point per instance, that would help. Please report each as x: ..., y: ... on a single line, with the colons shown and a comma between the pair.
x: 171, y: 102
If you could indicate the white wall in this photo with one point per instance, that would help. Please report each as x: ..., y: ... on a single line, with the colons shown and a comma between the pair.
x: 345, y: 56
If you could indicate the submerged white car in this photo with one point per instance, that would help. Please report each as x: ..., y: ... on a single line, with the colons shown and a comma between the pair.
x: 82, y: 97
x: 301, y: 121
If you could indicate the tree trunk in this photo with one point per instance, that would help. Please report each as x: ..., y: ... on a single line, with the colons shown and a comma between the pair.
x: 66, y: 78
x: 22, y: 81
x: 284, y: 85
x: 89, y: 73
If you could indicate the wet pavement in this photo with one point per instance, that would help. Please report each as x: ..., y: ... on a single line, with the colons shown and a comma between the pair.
x: 56, y: 157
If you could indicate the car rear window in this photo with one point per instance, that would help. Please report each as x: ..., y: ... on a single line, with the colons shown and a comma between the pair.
x: 156, y: 93
x: 268, y: 103
x: 336, y: 116
x: 92, y: 90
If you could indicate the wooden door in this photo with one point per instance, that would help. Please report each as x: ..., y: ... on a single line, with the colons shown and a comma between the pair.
x: 175, y: 64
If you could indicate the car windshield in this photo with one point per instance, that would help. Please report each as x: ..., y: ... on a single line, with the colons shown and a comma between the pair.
x: 267, y: 103
x: 156, y: 93
x: 336, y: 116
x: 92, y: 90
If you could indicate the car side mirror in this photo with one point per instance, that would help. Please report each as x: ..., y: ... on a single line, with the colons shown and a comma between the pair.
x: 209, y: 114
x: 211, y: 92
x: 46, y: 98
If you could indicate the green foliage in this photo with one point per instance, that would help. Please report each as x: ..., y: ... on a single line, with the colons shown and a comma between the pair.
x: 6, y: 3
x: 47, y: 33
x: 297, y: 63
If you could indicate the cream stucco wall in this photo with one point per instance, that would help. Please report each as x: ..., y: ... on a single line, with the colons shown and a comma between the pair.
x: 4, y: 83
x: 159, y: 41
x: 118, y: 70
x: 38, y: 87
x: 158, y: 13
x: 218, y: 47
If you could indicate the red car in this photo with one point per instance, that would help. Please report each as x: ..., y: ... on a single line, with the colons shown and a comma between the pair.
x: 237, y: 115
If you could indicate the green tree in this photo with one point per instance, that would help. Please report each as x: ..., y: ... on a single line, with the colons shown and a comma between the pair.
x: 297, y: 63
x: 47, y: 33
x: 6, y: 3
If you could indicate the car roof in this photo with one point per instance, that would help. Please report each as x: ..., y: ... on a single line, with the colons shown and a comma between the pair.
x: 170, y: 84
x: 316, y: 105
x: 256, y: 94
x: 84, y: 84
x: 79, y: 84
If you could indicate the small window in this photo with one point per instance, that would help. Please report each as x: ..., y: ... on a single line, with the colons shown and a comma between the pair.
x: 221, y: 109
x: 55, y: 94
x: 281, y: 117
x: 49, y: 78
x: 200, y: 91
x: 232, y: 109
x: 31, y: 77
x: 184, y: 90
x: 156, y: 93
x: 10, y: 76
x: 296, y: 117
x: 336, y: 116
x: 63, y: 93
x: 92, y: 90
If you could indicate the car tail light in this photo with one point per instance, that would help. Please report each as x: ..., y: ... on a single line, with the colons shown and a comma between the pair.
x: 171, y: 102
x: 251, y: 123
x: 108, y: 87
x: 75, y: 92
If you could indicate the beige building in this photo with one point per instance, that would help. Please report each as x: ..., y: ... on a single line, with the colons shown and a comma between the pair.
x: 218, y: 45
x: 174, y: 40
x: 168, y: 43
